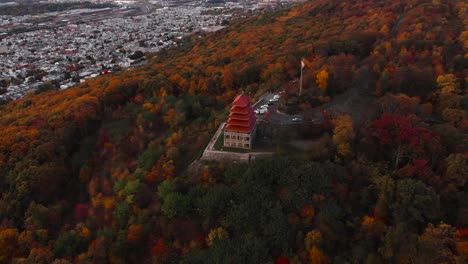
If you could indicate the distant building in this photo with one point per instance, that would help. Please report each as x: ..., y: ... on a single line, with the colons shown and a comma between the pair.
x: 71, y: 27
x: 3, y: 49
x: 70, y: 51
x: 240, y: 128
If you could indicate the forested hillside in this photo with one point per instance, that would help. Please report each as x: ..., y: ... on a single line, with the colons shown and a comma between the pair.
x: 98, y: 173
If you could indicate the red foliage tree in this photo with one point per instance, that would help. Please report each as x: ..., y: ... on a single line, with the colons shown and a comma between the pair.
x: 282, y: 260
x: 407, y: 140
x: 81, y: 212
x: 418, y: 167
x: 160, y: 252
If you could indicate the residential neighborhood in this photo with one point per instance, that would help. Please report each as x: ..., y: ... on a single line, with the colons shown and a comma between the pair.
x: 69, y: 47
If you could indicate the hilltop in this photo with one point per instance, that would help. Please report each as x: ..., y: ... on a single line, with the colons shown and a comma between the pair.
x: 97, y: 173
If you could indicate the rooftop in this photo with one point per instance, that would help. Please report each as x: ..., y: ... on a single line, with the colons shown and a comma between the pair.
x: 242, y: 118
x: 241, y: 100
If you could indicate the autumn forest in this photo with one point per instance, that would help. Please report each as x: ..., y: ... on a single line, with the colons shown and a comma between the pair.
x: 100, y: 173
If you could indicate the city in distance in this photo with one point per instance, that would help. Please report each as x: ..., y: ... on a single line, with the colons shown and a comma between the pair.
x: 42, y: 50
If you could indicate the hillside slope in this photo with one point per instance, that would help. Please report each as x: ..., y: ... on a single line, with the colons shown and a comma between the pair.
x: 96, y: 173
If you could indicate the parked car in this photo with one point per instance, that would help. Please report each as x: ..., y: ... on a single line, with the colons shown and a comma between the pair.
x: 296, y: 120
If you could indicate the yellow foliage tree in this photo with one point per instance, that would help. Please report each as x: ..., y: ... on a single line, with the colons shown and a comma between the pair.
x: 135, y: 232
x: 447, y: 83
x: 168, y: 169
x: 25, y: 241
x: 368, y: 222
x: 307, y: 212
x: 316, y: 256
x: 41, y: 254
x: 173, y: 118
x: 217, y: 234
x: 83, y: 232
x: 427, y: 109
x: 108, y: 202
x: 372, y: 226
x: 8, y: 244
x: 448, y: 93
x: 313, y: 239
x: 322, y: 80
x: 454, y: 116
x: 388, y: 49
x: 343, y: 134
x: 438, y: 242
x: 384, y: 29
x: 464, y: 39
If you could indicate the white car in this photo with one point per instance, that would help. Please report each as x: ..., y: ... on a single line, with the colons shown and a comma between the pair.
x: 296, y: 119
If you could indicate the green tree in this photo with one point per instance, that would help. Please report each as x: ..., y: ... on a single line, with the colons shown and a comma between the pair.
x: 166, y: 187
x: 121, y: 212
x: 175, y: 205
x: 414, y: 203
x: 66, y: 245
x: 36, y: 216
x: 214, y: 202
x: 148, y: 158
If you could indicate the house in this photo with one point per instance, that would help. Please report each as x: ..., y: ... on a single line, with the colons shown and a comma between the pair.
x: 3, y: 49
x: 240, y: 128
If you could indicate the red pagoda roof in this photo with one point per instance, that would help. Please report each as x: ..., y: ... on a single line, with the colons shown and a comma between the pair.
x: 239, y: 110
x: 241, y: 100
x: 238, y: 116
x: 242, y: 123
x: 238, y: 129
x: 242, y: 117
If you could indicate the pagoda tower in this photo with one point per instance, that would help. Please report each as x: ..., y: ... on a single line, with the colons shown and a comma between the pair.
x: 240, y: 128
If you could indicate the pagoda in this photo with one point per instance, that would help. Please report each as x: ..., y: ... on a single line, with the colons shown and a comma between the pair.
x: 240, y: 128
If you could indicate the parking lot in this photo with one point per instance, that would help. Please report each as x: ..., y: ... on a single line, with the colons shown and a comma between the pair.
x: 267, y: 108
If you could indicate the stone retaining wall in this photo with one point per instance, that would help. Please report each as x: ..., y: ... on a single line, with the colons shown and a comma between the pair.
x: 224, y: 155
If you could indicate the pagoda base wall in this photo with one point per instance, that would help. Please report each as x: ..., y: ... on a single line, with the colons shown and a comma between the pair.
x: 239, y: 140
x: 210, y: 154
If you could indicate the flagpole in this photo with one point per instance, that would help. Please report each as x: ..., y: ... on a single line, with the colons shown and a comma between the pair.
x: 300, y: 85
